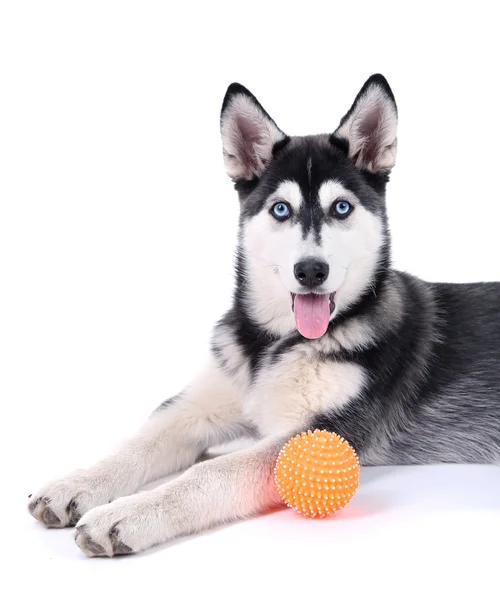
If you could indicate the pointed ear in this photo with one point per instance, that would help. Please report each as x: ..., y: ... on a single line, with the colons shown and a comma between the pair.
x: 248, y: 134
x: 370, y: 127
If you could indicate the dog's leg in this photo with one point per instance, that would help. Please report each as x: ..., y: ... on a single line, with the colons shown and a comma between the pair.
x: 177, y: 433
x: 226, y: 488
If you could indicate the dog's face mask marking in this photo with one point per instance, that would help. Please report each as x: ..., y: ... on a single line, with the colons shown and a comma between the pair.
x: 313, y: 219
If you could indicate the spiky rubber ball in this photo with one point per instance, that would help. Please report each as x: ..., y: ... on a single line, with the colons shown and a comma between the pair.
x: 317, y: 473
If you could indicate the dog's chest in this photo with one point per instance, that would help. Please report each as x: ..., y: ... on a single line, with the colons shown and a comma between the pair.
x: 289, y: 390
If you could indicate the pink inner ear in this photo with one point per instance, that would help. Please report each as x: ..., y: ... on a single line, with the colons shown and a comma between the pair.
x: 247, y: 139
x: 369, y: 130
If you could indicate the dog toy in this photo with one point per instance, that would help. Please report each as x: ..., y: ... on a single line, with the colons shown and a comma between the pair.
x: 317, y: 473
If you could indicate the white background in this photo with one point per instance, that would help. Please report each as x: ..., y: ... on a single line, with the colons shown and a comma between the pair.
x: 117, y: 228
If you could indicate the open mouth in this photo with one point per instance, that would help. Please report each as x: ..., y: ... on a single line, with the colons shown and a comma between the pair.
x: 312, y: 313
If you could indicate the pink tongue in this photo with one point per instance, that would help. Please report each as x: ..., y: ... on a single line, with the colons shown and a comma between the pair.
x: 312, y: 313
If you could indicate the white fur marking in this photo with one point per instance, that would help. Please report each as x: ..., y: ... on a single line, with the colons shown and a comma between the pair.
x: 333, y: 190
x: 288, y: 394
x: 290, y: 192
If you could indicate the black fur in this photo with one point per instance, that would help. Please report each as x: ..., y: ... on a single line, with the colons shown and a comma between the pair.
x: 169, y: 402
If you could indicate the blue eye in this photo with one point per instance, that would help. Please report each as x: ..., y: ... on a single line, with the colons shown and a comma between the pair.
x: 280, y: 211
x: 342, y: 208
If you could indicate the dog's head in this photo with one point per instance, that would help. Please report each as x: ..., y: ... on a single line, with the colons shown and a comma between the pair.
x: 313, y: 239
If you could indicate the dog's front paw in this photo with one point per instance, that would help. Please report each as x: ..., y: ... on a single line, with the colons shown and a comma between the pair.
x: 62, y: 502
x: 125, y: 526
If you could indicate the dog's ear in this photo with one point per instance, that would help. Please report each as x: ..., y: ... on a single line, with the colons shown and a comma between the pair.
x: 370, y: 127
x: 248, y: 134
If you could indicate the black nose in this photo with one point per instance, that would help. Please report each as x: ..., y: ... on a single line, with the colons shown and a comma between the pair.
x: 311, y: 272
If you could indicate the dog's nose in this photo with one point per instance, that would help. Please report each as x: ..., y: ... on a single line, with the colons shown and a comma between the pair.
x: 311, y: 272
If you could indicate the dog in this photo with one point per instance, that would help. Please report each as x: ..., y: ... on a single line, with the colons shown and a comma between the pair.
x: 322, y: 334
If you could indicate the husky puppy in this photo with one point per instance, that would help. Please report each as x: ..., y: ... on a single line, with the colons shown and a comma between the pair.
x: 322, y: 333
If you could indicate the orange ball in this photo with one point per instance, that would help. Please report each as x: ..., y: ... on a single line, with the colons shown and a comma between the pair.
x: 317, y: 473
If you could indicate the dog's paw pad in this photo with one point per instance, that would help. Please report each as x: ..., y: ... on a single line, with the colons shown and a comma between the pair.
x: 41, y: 510
x: 118, y: 546
x: 87, y: 544
x: 91, y: 547
x: 50, y: 518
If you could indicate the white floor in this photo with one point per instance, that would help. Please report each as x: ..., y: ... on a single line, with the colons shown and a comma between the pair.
x: 431, y: 532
